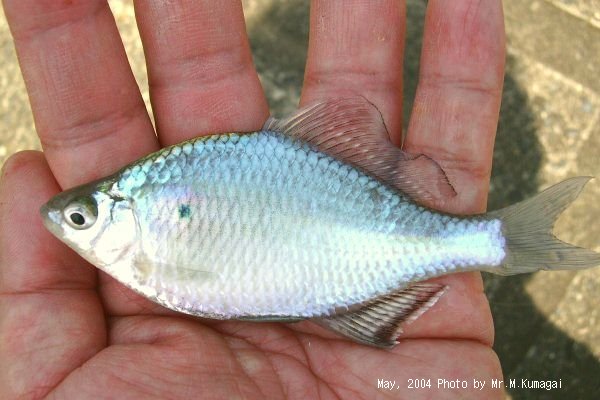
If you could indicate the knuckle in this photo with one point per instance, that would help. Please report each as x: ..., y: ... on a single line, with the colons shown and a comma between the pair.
x: 92, y: 128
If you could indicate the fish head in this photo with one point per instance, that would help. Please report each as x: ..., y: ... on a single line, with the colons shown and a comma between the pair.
x: 96, y: 222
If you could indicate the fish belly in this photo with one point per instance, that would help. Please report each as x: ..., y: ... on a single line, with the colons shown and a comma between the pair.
x: 261, y: 225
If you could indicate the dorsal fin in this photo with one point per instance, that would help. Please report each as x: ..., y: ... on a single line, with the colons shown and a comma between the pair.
x: 378, y: 322
x: 352, y: 130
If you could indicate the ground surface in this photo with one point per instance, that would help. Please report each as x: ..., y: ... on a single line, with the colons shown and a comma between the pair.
x: 547, y: 324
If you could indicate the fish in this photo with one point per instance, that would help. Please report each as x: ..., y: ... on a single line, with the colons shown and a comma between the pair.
x: 317, y: 216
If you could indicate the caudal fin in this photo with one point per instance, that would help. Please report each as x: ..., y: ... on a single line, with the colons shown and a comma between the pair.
x: 530, y: 244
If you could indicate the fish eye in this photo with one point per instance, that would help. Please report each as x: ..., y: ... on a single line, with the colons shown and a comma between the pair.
x: 81, y: 213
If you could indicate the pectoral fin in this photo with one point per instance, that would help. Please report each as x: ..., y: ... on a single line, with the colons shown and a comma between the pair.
x: 190, y: 274
x: 378, y: 322
x: 145, y: 269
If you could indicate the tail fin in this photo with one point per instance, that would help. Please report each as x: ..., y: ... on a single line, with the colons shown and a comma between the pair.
x: 530, y: 244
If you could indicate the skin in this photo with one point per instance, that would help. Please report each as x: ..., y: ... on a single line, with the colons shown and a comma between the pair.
x: 70, y: 331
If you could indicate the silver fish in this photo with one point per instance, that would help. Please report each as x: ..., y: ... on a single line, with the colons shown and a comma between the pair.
x: 317, y: 216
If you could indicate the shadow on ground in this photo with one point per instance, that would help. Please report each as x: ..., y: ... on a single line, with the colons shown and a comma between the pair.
x: 279, y: 41
x: 528, y: 345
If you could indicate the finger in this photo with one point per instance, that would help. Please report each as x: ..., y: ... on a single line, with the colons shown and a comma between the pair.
x: 200, y: 70
x: 456, y: 107
x: 88, y: 110
x: 454, y: 121
x: 51, y: 320
x: 356, y: 47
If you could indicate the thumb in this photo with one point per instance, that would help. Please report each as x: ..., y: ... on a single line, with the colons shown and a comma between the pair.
x: 51, y: 319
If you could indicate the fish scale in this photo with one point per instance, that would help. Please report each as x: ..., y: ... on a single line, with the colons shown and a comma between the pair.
x: 354, y: 224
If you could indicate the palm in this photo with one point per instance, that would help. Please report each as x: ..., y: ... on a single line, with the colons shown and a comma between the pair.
x: 177, y: 357
x: 71, y: 332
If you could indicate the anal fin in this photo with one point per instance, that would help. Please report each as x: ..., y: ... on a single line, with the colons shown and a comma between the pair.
x: 378, y: 322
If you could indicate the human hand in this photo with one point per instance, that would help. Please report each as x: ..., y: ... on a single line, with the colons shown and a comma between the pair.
x: 69, y: 331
